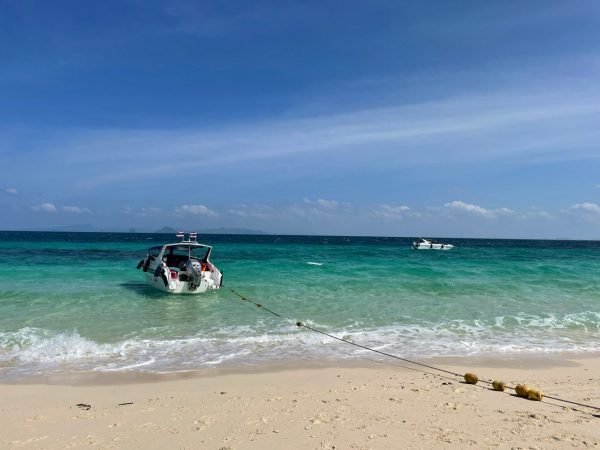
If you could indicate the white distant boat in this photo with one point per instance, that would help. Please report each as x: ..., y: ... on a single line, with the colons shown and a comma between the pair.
x: 430, y: 244
x: 181, y: 268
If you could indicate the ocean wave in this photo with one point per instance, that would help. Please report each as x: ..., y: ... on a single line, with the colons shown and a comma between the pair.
x: 38, y: 345
x: 34, y: 350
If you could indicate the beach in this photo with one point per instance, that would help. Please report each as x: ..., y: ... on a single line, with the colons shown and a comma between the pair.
x: 299, y: 225
x: 98, y: 359
x: 366, y: 406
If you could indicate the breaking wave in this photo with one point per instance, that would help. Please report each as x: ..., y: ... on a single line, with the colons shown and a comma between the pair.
x: 34, y: 351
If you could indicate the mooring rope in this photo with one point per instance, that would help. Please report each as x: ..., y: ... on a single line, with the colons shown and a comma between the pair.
x: 396, y: 357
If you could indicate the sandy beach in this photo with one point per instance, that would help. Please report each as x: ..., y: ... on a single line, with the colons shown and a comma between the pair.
x: 373, y: 406
x: 273, y: 225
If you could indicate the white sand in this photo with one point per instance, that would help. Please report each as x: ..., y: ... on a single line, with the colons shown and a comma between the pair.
x: 378, y: 407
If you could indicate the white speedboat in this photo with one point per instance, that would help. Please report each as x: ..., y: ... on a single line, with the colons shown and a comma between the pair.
x: 430, y: 244
x: 181, y: 268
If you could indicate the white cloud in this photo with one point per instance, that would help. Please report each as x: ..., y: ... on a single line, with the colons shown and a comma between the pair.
x: 394, y: 212
x: 477, y: 210
x: 254, y: 211
x: 586, y: 207
x: 76, y: 210
x: 536, y: 214
x: 322, y: 203
x: 142, y: 212
x: 45, y: 207
x: 149, y: 211
x: 51, y: 208
x: 196, y: 210
x: 447, y: 132
x: 319, y: 209
x: 11, y: 191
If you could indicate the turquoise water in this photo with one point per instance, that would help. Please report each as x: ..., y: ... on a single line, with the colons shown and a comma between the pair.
x: 74, y: 301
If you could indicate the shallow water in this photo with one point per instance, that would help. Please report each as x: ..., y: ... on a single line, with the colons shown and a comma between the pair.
x: 74, y: 301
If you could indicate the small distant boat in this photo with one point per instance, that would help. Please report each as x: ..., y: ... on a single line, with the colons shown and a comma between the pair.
x: 181, y: 268
x: 430, y: 244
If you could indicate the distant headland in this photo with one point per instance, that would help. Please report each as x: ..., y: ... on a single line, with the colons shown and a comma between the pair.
x: 87, y: 228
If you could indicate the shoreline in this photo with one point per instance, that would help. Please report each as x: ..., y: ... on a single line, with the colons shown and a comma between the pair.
x: 459, y: 364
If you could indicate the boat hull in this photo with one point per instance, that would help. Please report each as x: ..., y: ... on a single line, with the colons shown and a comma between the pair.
x: 181, y: 268
x: 433, y: 246
x: 209, y: 283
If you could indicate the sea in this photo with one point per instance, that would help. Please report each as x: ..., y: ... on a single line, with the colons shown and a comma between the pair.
x: 74, y: 302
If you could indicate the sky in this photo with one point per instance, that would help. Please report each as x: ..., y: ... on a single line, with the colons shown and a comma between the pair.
x: 387, y: 118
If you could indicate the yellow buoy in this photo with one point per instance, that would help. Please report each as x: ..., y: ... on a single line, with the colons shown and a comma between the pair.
x: 522, y: 390
x: 536, y: 394
x: 499, y: 385
x: 471, y: 378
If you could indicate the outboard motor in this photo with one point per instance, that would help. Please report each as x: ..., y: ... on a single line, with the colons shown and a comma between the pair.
x: 145, y: 263
x: 163, y: 272
x: 194, y: 272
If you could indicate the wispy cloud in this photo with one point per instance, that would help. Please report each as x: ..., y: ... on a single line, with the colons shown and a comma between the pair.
x: 252, y: 211
x: 586, y: 208
x: 458, y: 130
x: 319, y: 208
x: 52, y: 208
x: 45, y: 207
x: 477, y: 210
x: 11, y: 191
x: 534, y: 213
x: 146, y: 211
x: 195, y: 210
x: 76, y: 210
x: 395, y: 212
x: 322, y: 203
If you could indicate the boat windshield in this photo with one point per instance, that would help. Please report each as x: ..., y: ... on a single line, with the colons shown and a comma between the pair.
x: 154, y: 251
x: 198, y: 252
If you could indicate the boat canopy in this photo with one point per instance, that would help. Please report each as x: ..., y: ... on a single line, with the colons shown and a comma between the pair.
x: 193, y: 249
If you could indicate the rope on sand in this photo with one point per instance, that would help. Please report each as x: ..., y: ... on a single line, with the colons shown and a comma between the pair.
x: 521, y: 390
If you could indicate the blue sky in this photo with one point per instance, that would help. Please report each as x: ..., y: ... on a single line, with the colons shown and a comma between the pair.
x: 367, y: 118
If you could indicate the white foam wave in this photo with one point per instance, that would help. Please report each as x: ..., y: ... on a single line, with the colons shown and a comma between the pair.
x: 110, y: 368
x: 37, y: 345
x: 33, y: 350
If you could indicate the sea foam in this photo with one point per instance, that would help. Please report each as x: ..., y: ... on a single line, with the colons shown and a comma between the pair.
x: 32, y: 350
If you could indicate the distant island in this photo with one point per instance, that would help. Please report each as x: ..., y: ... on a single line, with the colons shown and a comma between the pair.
x: 87, y: 228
